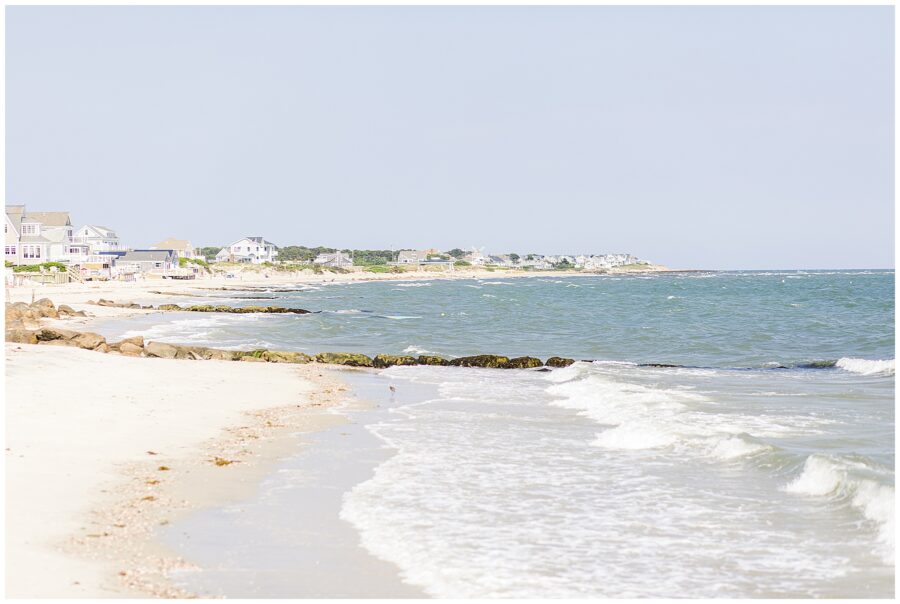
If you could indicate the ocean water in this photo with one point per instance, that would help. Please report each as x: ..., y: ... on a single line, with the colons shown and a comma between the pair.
x: 761, y: 465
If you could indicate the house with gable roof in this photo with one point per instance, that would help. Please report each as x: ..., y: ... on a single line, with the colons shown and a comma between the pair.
x: 255, y: 250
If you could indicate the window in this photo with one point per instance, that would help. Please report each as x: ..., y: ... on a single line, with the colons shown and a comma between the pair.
x: 29, y: 229
x: 10, y: 250
x: 31, y: 251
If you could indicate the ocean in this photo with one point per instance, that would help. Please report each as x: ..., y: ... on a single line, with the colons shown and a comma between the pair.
x: 726, y: 434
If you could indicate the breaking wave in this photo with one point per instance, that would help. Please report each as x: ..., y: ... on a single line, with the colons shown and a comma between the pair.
x: 866, y: 367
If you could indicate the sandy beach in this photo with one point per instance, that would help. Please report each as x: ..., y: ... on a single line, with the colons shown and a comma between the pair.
x: 120, y: 291
x: 112, y: 447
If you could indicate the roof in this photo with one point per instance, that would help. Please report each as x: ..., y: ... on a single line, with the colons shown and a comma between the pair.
x: 173, y: 244
x: 104, y: 231
x: 49, y: 218
x: 259, y: 240
x: 146, y: 256
x: 408, y: 255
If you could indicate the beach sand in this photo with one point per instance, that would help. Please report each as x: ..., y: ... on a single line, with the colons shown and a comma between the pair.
x: 88, y: 436
x: 148, y: 289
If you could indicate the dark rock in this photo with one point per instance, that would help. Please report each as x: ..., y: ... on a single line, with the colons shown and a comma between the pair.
x: 48, y: 334
x: 287, y: 357
x: 427, y: 359
x: 559, y: 362
x: 169, y: 307
x: 524, y: 363
x: 389, y: 360
x: 350, y: 359
x: 481, y: 360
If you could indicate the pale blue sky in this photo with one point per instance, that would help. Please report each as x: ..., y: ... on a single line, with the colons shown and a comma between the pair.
x: 705, y: 137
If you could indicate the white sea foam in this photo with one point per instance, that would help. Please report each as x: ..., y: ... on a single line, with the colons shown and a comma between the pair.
x: 415, y: 284
x: 840, y: 479
x: 417, y: 350
x: 866, y: 367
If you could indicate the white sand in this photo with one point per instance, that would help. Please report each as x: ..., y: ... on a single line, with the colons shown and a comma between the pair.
x: 75, y: 418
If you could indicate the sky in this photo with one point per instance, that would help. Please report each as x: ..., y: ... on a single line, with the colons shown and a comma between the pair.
x: 694, y: 137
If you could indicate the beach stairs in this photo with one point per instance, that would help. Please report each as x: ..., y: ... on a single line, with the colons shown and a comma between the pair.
x: 74, y: 274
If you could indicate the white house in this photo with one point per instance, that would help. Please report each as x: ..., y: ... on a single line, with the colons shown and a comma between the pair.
x: 98, y: 239
x: 255, y: 250
x: 181, y: 247
x: 37, y: 237
x: 338, y: 259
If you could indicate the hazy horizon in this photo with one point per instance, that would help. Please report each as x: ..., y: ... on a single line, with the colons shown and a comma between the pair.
x: 694, y: 137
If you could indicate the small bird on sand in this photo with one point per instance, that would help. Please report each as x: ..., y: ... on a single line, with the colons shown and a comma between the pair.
x: 392, y: 389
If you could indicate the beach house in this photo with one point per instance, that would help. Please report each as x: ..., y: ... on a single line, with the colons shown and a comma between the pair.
x: 337, y: 259
x: 98, y: 239
x: 37, y: 237
x: 145, y: 261
x: 181, y: 247
x: 411, y: 256
x: 254, y: 250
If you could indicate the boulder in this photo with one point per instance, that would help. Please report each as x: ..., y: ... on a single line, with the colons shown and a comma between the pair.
x: 89, y: 341
x: 160, y: 350
x: 43, y: 303
x: 65, y: 309
x: 481, y: 360
x: 350, y: 359
x: 239, y: 355
x: 220, y: 355
x: 287, y: 357
x: 253, y: 359
x: 130, y: 349
x: 524, y: 363
x: 168, y: 307
x: 559, y: 362
x: 12, y: 313
x: 427, y: 359
x: 389, y: 360
x: 104, y: 347
x: 136, y: 340
x: 43, y: 308
x: 49, y: 334
x: 21, y: 336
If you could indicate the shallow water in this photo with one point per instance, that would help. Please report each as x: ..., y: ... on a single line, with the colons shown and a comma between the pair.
x: 762, y: 467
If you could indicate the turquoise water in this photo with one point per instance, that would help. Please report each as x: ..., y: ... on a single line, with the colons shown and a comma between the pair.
x: 761, y: 466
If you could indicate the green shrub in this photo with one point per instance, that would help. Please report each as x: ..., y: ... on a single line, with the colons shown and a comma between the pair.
x: 460, y: 263
x: 36, y: 268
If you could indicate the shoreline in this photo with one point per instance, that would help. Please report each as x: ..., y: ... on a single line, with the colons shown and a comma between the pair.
x: 108, y: 493
x: 152, y: 288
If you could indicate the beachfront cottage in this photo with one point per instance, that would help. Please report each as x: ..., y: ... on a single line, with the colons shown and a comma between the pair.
x: 254, y: 250
x: 37, y: 237
x: 337, y: 259
x: 146, y: 261
x: 181, y: 247
x: 98, y: 239
x: 411, y: 257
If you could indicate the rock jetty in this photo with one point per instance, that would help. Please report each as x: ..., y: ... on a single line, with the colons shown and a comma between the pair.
x: 22, y: 327
x: 204, y: 308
